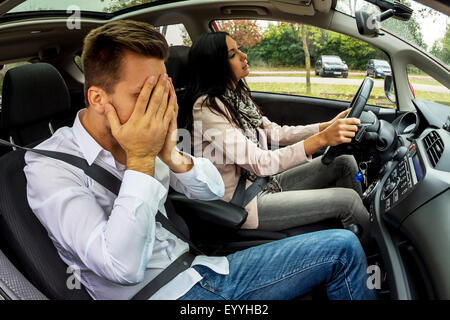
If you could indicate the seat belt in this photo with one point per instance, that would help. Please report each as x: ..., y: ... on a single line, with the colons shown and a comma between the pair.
x: 112, y: 183
x: 241, y: 196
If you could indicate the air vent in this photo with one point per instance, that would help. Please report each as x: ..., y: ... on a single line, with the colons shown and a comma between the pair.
x: 434, y: 146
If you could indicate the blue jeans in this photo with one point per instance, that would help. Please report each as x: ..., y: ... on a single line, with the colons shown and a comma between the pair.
x: 288, y: 268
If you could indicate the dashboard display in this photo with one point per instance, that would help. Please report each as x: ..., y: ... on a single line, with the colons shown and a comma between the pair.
x: 418, y: 168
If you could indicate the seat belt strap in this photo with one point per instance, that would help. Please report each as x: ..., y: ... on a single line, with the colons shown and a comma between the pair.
x: 182, y: 263
x: 242, y: 196
x: 99, y: 174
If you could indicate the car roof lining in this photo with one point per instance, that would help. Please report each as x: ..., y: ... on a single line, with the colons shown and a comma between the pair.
x: 195, y: 16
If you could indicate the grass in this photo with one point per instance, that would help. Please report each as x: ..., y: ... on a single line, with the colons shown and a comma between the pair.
x: 343, y: 93
x: 413, y: 79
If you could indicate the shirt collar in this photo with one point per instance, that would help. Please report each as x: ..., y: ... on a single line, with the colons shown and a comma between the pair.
x: 90, y: 148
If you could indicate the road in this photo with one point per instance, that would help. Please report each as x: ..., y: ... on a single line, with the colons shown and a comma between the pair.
x: 379, y: 83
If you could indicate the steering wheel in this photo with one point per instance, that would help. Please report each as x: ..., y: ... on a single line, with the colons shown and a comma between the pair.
x: 357, y: 106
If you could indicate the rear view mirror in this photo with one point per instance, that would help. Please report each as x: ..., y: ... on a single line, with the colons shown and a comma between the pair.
x: 370, y: 25
x: 389, y: 89
x: 366, y: 25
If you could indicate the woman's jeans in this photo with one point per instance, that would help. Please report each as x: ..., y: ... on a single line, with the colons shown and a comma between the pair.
x: 313, y: 192
x: 288, y: 268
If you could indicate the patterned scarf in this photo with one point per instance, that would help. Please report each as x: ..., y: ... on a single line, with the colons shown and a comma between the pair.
x: 249, y: 119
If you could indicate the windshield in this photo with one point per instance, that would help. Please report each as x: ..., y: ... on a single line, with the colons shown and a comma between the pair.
x: 332, y: 60
x: 381, y: 63
x: 427, y: 28
x: 105, y: 6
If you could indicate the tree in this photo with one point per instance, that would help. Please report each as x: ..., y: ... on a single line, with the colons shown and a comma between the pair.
x: 441, y: 47
x: 185, y: 36
x: 247, y: 33
x: 280, y: 46
x: 304, y: 40
x: 409, y: 30
x: 307, y: 58
x: 123, y: 4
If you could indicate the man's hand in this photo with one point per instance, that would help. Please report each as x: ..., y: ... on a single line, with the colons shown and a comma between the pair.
x: 176, y: 161
x: 142, y: 137
x: 341, y: 115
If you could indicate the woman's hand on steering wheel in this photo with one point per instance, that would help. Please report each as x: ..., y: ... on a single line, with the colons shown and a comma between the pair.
x: 340, y: 131
x: 341, y: 115
x: 357, y: 106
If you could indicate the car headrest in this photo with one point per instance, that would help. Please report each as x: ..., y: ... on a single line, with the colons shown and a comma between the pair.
x: 32, y: 93
x: 27, y: 240
x: 177, y: 66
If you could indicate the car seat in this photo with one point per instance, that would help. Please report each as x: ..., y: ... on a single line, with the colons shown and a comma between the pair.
x: 216, y: 225
x: 35, y: 103
x: 32, y: 96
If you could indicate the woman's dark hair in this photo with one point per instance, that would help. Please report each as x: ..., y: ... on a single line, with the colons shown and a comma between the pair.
x: 210, y: 73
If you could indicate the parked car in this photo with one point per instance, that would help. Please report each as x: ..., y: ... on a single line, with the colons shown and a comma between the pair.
x: 331, y: 66
x: 405, y: 149
x: 378, y: 68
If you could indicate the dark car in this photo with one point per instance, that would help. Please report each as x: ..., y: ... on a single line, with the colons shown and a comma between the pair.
x: 331, y: 66
x: 378, y: 68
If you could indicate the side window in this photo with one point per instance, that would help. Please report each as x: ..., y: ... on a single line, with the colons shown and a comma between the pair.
x: 3, y: 69
x: 176, y: 35
x: 425, y: 87
x: 282, y: 54
x: 77, y: 60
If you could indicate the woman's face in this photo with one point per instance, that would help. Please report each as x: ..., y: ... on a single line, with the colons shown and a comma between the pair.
x: 238, y: 59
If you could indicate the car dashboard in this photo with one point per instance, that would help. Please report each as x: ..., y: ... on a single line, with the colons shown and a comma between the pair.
x: 410, y: 216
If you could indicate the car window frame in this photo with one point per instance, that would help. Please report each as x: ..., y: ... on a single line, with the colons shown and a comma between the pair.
x: 395, y: 106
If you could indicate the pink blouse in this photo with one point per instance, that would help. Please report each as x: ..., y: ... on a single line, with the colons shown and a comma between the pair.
x: 225, y: 144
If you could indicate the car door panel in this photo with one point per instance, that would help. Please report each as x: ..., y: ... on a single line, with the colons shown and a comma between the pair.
x: 287, y: 109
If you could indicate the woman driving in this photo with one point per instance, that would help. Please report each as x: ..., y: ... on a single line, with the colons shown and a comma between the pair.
x: 230, y: 130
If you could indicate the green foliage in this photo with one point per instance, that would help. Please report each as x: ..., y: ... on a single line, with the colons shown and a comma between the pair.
x: 282, y: 47
x: 408, y: 30
x: 441, y: 47
x: 354, y: 52
x: 123, y: 4
x: 279, y: 47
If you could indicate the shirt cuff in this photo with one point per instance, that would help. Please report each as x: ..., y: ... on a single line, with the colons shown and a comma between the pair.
x: 315, y: 128
x: 144, y: 187
x: 302, y: 156
x: 203, y: 171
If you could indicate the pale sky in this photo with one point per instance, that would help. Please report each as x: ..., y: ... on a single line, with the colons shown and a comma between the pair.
x: 433, y: 27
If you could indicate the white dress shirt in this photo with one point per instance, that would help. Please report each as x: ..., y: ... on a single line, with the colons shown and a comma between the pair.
x: 112, y: 240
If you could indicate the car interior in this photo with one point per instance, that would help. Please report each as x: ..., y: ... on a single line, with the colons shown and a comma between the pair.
x: 404, y: 148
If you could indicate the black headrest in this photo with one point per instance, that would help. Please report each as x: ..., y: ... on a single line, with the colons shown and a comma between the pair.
x: 32, y: 93
x: 177, y: 65
x: 26, y: 238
